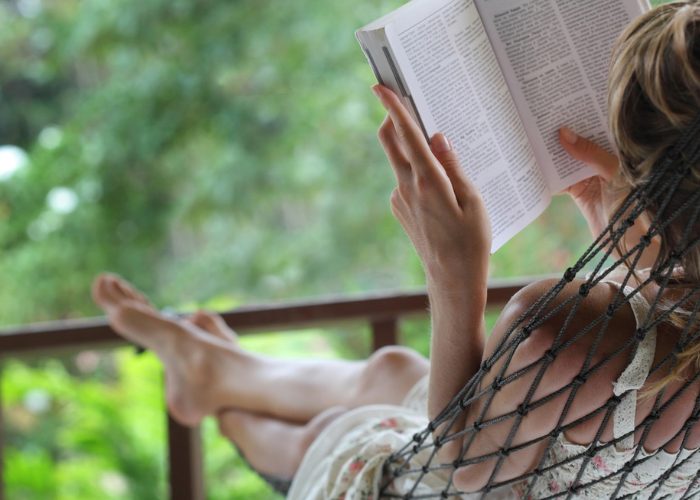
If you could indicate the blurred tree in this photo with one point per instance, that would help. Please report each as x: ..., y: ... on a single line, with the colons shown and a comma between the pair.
x: 200, y: 148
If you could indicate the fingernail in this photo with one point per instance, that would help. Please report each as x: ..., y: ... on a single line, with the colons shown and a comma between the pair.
x: 377, y: 91
x: 441, y: 144
x: 569, y: 135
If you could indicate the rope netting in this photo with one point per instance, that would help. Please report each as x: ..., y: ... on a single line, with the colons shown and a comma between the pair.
x: 665, y: 194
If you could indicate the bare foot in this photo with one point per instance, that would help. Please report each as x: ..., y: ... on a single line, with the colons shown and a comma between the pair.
x: 195, y: 360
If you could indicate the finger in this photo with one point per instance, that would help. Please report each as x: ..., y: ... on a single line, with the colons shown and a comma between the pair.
x: 398, y: 205
x: 407, y: 131
x: 397, y: 158
x: 451, y: 450
x: 445, y: 154
x: 401, y: 212
x: 430, y: 179
x: 605, y: 164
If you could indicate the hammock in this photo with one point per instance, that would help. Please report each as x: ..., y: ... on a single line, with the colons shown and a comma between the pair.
x: 661, y: 193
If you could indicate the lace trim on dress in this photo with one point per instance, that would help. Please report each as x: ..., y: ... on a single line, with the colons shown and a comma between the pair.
x: 634, y: 376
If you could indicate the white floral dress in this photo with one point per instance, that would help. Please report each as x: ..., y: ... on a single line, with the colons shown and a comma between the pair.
x: 346, y: 460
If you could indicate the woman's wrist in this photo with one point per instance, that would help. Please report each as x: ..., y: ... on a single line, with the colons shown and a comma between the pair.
x: 459, y: 271
x: 465, y: 292
x: 458, y: 276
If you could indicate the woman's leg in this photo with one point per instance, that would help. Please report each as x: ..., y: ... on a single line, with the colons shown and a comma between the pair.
x: 272, y: 446
x: 206, y: 373
x: 258, y: 437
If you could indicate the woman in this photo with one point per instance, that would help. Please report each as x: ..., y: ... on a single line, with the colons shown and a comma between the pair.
x: 339, y: 421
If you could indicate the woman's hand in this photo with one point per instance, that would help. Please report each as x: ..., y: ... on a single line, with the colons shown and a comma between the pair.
x: 438, y: 207
x: 445, y: 218
x: 590, y: 198
x: 589, y: 194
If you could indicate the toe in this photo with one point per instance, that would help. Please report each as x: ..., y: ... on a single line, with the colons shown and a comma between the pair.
x: 121, y: 288
x: 203, y: 321
x: 110, y: 291
x: 103, y: 292
x: 129, y: 291
x: 218, y: 323
x: 113, y: 291
x: 96, y: 290
x: 212, y: 323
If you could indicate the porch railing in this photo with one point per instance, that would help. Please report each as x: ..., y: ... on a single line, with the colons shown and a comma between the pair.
x: 381, y: 312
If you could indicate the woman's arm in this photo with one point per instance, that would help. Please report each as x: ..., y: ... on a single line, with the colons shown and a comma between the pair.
x: 445, y: 218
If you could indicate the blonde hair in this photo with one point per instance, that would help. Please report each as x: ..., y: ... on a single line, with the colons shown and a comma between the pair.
x: 654, y: 95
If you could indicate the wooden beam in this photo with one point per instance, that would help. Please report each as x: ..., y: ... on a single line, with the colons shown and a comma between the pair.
x: 40, y: 338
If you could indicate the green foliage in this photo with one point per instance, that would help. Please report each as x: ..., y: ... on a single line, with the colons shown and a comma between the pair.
x: 92, y: 426
x: 76, y: 430
x: 211, y: 147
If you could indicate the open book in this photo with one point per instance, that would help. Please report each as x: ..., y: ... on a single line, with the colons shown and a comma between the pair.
x: 499, y: 78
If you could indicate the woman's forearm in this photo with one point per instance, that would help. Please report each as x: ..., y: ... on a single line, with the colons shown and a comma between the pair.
x: 458, y: 337
x: 445, y: 218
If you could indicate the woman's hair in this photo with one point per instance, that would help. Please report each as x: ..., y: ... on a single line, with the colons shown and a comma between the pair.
x: 654, y: 96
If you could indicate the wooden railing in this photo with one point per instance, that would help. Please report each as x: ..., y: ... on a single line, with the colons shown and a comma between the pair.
x: 381, y: 311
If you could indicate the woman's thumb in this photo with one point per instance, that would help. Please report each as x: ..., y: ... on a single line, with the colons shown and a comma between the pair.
x: 605, y: 164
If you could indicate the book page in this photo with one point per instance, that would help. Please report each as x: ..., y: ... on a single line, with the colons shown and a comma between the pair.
x: 555, y: 55
x: 456, y: 84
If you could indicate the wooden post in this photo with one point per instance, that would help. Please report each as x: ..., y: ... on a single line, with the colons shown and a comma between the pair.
x: 185, y: 461
x: 385, y: 332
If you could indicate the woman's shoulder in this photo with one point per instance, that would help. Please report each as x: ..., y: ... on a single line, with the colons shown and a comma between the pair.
x: 569, y: 341
x: 566, y: 317
x: 582, y: 342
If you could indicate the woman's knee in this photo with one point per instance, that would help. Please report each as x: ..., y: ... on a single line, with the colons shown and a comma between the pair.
x: 388, y: 376
x: 396, y: 361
